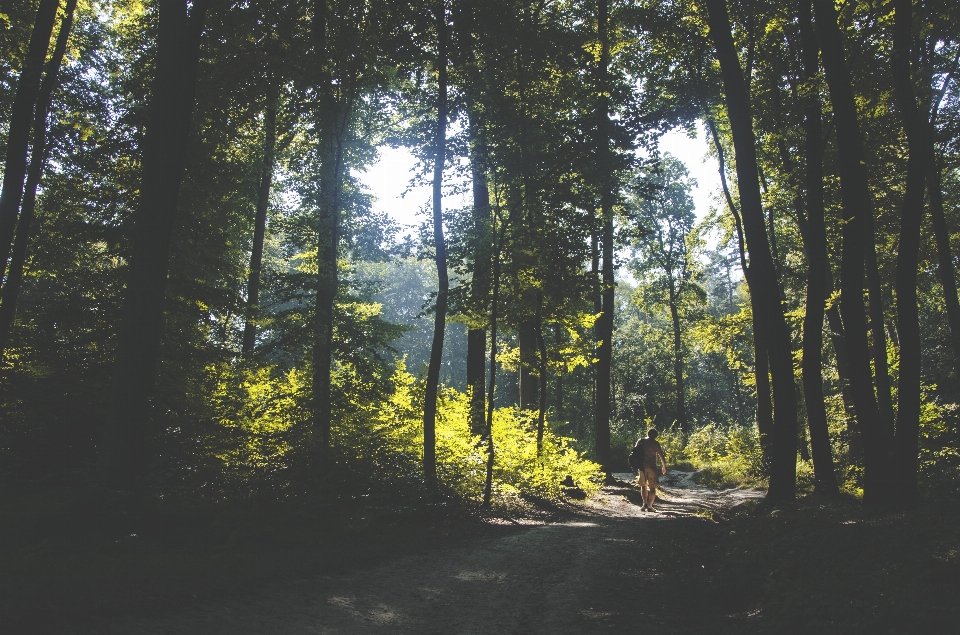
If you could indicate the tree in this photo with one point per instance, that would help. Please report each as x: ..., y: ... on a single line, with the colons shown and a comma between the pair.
x: 21, y: 117
x: 766, y: 289
x: 10, y: 291
x: 664, y: 260
x: 905, y: 448
x: 760, y: 336
x: 260, y: 220
x: 856, y: 206
x: 606, y: 186
x: 815, y: 241
x: 124, y: 452
x: 440, y: 251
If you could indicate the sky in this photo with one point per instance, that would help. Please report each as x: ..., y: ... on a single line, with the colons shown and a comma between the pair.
x: 388, y: 180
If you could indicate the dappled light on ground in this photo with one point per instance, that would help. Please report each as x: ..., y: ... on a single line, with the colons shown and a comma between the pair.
x: 584, y: 574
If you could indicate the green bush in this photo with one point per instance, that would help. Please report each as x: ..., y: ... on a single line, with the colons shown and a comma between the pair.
x: 725, y: 457
x: 707, y: 444
x: 673, y: 444
x: 377, y: 439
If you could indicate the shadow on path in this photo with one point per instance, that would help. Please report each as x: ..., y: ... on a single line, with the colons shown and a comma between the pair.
x: 611, y: 569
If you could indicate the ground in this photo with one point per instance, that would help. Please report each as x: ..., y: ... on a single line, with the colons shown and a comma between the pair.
x: 602, y: 570
x: 711, y: 561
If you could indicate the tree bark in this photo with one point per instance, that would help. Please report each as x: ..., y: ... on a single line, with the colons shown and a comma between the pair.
x: 854, y: 195
x: 21, y: 116
x: 761, y: 369
x: 542, y: 369
x: 767, y: 289
x: 677, y: 354
x: 604, y: 324
x: 494, y: 310
x: 480, y: 287
x: 817, y: 265
x: 529, y: 385
x: 440, y: 315
x: 878, y: 334
x: 260, y: 222
x: 905, y: 448
x: 558, y: 340
x: 124, y: 450
x: 333, y: 116
x: 476, y: 377
x: 10, y: 292
x: 941, y: 234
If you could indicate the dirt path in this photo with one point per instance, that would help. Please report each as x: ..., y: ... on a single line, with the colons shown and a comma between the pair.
x: 599, y: 573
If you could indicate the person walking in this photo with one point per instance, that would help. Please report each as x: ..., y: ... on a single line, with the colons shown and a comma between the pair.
x: 648, y: 478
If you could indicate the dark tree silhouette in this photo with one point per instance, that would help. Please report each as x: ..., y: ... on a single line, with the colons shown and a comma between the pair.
x: 856, y: 206
x: 480, y: 285
x: 124, y: 451
x: 761, y: 367
x: 905, y: 448
x: 260, y: 220
x: 604, y: 324
x: 10, y: 292
x: 440, y: 312
x: 815, y: 241
x: 765, y: 286
x: 21, y: 116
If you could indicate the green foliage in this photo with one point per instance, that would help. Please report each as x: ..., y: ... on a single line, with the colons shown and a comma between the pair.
x: 939, y: 459
x: 724, y: 457
x: 262, y: 426
x: 527, y: 92
x: 673, y: 443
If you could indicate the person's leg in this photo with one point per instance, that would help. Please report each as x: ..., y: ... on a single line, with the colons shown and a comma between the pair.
x: 651, y: 478
x: 642, y: 482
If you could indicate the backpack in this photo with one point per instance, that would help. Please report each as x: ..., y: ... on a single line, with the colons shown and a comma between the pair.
x: 636, y: 456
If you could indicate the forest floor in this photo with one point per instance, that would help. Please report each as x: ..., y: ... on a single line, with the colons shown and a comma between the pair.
x: 711, y: 561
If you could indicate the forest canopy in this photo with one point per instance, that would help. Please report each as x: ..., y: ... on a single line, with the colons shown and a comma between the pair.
x: 199, y: 300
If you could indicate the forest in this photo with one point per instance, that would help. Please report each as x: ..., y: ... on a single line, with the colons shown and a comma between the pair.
x: 201, y: 308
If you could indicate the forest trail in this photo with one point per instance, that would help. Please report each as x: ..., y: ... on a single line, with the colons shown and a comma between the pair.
x: 603, y: 571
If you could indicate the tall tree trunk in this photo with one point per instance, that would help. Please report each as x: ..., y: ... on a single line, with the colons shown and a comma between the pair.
x: 558, y: 339
x: 542, y: 369
x: 604, y: 324
x: 766, y: 288
x: 597, y: 308
x: 494, y: 309
x: 761, y: 370
x: 677, y: 355
x: 817, y: 264
x: 10, y: 292
x: 333, y: 116
x: 21, y: 116
x: 260, y: 221
x: 604, y: 349
x: 837, y: 339
x: 878, y: 334
x: 328, y: 285
x: 480, y: 287
x: 945, y: 268
x: 476, y: 377
x: 905, y: 448
x: 124, y: 449
x: 854, y: 195
x: 529, y: 385
x: 440, y: 316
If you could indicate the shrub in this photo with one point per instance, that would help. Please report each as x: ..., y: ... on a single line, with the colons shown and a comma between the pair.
x: 726, y: 457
